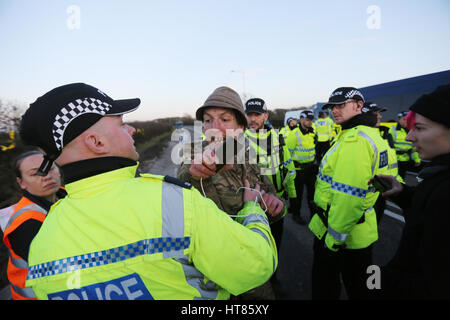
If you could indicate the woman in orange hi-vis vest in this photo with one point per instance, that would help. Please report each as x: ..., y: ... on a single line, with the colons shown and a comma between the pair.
x: 39, y: 193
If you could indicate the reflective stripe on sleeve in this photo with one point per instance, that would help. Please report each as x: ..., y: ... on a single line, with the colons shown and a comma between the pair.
x: 337, y: 235
x: 267, y: 240
x: 196, y: 279
x: 374, y: 147
x: 255, y: 218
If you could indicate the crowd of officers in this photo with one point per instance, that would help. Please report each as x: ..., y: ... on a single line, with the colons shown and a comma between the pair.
x: 215, y: 231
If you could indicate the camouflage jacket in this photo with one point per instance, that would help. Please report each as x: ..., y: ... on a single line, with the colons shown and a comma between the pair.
x: 223, y: 188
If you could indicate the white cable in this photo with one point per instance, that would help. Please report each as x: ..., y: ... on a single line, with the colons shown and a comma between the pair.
x: 254, y: 203
x: 201, y: 185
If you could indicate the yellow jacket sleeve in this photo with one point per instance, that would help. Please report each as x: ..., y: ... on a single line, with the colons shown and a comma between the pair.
x: 236, y: 255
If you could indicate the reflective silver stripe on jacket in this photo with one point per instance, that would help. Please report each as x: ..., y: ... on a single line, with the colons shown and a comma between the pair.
x: 30, y: 207
x: 172, y: 212
x: 374, y: 147
x: 342, y: 236
x: 24, y: 292
x: 196, y: 279
x: 337, y: 235
x: 255, y: 218
x: 19, y: 262
x: 267, y: 240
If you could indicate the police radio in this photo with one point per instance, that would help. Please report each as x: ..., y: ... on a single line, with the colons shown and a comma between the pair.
x: 380, y: 184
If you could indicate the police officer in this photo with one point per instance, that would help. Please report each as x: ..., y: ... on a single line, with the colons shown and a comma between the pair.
x: 119, y: 237
x: 324, y: 130
x: 272, y: 156
x: 291, y: 124
x: 302, y: 143
x: 407, y: 157
x: 345, y: 225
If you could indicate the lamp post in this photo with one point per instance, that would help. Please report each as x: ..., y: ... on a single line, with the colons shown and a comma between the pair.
x: 243, y: 82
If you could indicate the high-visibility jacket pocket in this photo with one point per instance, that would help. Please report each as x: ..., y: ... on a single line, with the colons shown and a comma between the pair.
x: 317, y: 227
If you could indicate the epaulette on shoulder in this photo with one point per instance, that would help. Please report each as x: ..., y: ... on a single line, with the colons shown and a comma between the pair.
x: 351, y: 134
x: 177, y: 182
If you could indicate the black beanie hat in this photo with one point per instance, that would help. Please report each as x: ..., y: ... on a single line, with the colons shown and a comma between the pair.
x: 435, y: 106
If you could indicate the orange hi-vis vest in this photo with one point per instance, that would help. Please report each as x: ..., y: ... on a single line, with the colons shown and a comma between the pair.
x: 18, y: 267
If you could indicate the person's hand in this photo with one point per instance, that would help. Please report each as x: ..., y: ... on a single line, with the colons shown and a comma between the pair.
x: 204, y: 165
x: 396, y: 188
x: 416, y: 164
x: 252, y: 195
x: 274, y: 204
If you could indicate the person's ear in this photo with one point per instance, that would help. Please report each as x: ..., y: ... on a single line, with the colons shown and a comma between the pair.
x: 19, y: 182
x: 360, y: 104
x: 266, y: 116
x: 95, y: 143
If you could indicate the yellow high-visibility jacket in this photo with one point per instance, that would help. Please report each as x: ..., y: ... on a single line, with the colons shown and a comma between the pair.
x: 119, y: 237
x: 342, y: 192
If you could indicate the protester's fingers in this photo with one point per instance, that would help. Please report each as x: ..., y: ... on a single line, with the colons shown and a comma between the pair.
x: 201, y: 171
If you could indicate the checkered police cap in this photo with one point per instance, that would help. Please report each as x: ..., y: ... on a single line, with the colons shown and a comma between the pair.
x: 308, y: 114
x: 62, y: 114
x: 342, y: 94
x: 372, y: 107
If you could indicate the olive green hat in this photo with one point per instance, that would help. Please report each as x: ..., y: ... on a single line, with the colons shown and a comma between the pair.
x: 224, y: 97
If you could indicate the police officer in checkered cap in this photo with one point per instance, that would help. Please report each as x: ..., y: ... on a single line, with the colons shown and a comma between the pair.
x: 345, y: 224
x: 60, y: 115
x: 132, y: 237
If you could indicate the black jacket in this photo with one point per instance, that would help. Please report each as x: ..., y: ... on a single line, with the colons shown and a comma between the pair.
x: 421, y: 266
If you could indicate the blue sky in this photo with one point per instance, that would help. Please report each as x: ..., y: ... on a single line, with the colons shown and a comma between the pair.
x: 173, y: 54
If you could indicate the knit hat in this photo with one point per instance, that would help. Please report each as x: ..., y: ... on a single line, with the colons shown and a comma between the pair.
x: 435, y: 106
x: 224, y: 97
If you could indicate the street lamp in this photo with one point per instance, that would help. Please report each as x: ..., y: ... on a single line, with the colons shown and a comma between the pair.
x: 243, y: 81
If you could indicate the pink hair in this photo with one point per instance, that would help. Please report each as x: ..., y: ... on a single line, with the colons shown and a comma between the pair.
x: 410, y: 118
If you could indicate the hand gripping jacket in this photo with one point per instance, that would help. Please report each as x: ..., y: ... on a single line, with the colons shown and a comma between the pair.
x: 119, y: 237
x: 405, y: 150
x: 18, y: 267
x: 274, y: 159
x: 347, y: 218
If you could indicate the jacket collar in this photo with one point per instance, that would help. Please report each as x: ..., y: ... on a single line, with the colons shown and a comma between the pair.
x: 438, y: 165
x: 365, y: 119
x: 305, y: 131
x: 41, y: 202
x: 87, y: 168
